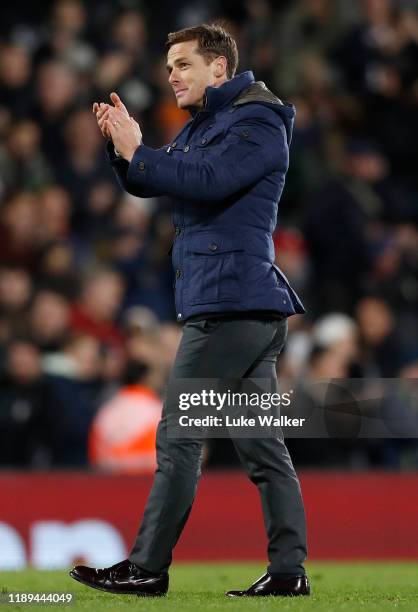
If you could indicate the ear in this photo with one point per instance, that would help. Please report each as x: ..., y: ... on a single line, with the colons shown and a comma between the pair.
x: 220, y: 66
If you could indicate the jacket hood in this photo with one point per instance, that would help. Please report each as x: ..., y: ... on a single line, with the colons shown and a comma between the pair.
x: 244, y: 89
x: 259, y: 93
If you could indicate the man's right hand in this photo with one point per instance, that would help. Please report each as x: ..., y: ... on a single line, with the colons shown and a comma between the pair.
x: 101, y: 110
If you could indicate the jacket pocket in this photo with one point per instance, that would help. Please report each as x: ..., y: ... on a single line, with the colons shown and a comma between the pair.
x: 211, y: 137
x: 214, y: 265
x: 284, y: 285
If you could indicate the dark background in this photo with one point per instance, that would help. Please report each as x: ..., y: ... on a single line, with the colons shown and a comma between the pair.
x: 86, y: 304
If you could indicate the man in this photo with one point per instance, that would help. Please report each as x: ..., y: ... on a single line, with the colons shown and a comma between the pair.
x: 225, y: 172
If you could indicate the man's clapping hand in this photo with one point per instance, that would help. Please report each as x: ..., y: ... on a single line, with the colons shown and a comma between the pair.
x: 101, y: 110
x: 116, y: 124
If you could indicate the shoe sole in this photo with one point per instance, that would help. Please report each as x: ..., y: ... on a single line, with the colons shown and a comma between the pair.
x: 114, y: 591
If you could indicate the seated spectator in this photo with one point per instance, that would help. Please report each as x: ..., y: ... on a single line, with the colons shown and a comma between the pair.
x: 81, y: 166
x: 58, y: 270
x: 49, y: 320
x: 24, y: 404
x: 56, y: 89
x: 15, y: 293
x: 383, y: 352
x: 76, y: 388
x: 96, y: 310
x: 19, y: 231
x: 22, y: 161
x: 55, y: 210
x: 15, y: 85
x: 338, y: 227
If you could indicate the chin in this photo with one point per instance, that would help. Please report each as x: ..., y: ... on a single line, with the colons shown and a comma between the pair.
x: 183, y: 103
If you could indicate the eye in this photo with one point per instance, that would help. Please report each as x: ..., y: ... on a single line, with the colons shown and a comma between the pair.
x: 183, y: 64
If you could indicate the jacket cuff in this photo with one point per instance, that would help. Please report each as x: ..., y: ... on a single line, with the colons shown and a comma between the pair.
x: 142, y: 165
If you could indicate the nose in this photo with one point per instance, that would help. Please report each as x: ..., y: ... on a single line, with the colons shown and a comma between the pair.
x: 173, y: 78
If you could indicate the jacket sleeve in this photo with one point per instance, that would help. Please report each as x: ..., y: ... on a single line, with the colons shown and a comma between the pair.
x: 253, y: 147
x: 121, y: 166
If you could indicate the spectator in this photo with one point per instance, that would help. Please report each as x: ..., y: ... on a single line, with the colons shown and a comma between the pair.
x: 383, y: 352
x: 15, y: 83
x: 83, y: 167
x: 57, y: 269
x: 339, y: 219
x: 15, y: 294
x: 19, y: 231
x: 75, y: 386
x: 23, y: 163
x: 55, y: 211
x: 56, y: 90
x: 49, y: 320
x: 96, y: 311
x: 24, y: 403
x: 122, y: 436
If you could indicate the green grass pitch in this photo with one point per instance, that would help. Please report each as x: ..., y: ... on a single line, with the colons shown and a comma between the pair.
x: 200, y: 587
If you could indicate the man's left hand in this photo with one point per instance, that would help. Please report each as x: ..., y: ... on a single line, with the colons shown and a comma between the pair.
x: 125, y: 132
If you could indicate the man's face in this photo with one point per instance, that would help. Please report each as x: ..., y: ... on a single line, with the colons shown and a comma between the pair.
x: 190, y: 74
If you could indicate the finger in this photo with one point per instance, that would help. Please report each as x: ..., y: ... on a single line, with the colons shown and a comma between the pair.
x: 118, y: 102
x: 112, y: 122
x: 105, y: 132
x: 95, y: 107
x: 103, y: 107
x: 102, y: 123
x: 115, y: 116
x: 100, y: 114
x: 103, y: 115
x: 110, y: 128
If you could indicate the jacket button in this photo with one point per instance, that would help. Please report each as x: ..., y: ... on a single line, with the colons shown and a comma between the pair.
x: 213, y: 247
x: 141, y: 165
x: 204, y: 140
x: 186, y: 148
x: 179, y: 316
x: 178, y: 231
x: 178, y: 273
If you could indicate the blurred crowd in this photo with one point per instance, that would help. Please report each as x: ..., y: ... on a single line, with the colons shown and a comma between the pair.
x: 87, y: 325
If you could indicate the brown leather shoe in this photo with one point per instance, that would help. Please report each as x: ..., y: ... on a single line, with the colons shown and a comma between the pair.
x: 124, y: 578
x: 267, y: 585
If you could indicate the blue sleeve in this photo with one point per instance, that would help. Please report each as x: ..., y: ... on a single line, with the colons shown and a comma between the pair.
x: 121, y: 166
x: 252, y: 148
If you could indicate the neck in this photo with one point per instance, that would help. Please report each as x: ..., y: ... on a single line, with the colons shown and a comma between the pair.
x: 202, y: 103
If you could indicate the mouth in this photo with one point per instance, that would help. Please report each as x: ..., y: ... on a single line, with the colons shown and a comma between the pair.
x: 180, y: 92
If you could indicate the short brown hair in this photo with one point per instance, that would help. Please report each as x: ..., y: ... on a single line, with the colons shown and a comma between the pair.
x: 213, y: 40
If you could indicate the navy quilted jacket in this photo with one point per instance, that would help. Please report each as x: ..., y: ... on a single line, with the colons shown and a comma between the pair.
x: 225, y: 173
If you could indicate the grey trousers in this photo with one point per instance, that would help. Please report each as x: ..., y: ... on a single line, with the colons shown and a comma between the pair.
x: 224, y: 348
